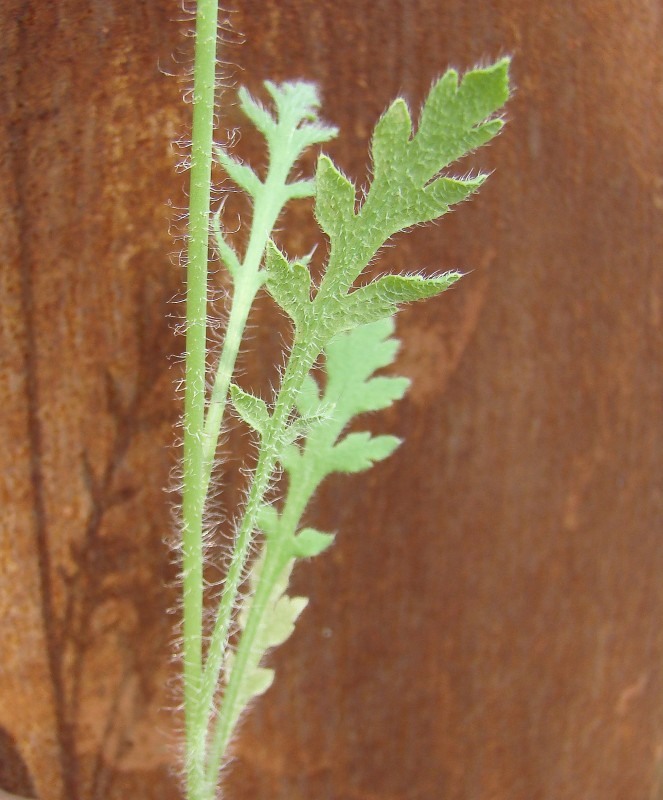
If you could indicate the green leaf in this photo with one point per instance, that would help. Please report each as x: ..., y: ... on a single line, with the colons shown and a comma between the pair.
x: 353, y: 356
x: 359, y: 451
x: 250, y: 408
x: 277, y: 623
x: 256, y: 683
x: 455, y: 118
x: 351, y: 327
x: 397, y: 289
x: 296, y: 119
x: 382, y: 297
x: 298, y: 99
x: 278, y: 620
x: 282, y: 623
x: 290, y: 458
x: 314, y: 133
x: 289, y: 132
x: 460, y: 107
x: 407, y: 187
x: 288, y: 283
x: 311, y: 542
x: 380, y: 393
x: 297, y: 104
x: 391, y: 136
x: 445, y: 192
x: 351, y: 360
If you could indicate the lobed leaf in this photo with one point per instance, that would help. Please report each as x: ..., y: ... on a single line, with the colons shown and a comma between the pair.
x: 456, y: 117
x: 351, y: 360
x: 300, y: 189
x: 445, y: 192
x: 308, y: 399
x: 379, y: 393
x: 391, y: 137
x: 296, y: 119
x: 352, y: 327
x: 256, y: 112
x: 353, y: 356
x: 407, y: 188
x: 268, y: 520
x: 276, y: 625
x: 290, y: 458
x: 297, y: 103
x: 298, y: 99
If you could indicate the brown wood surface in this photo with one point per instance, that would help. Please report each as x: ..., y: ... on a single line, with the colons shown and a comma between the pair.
x: 489, y: 624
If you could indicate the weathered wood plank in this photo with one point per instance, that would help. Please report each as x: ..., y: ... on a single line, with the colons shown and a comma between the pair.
x: 488, y: 624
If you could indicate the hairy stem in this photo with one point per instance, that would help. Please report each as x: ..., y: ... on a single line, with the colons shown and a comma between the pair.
x: 274, y: 564
x: 202, y: 427
x: 275, y: 559
x: 301, y: 360
x: 269, y: 205
x: 193, y: 494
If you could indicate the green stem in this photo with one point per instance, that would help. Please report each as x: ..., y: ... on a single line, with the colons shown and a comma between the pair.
x: 269, y: 205
x: 193, y: 496
x: 276, y: 557
x: 275, y: 562
x: 202, y: 428
x: 301, y: 360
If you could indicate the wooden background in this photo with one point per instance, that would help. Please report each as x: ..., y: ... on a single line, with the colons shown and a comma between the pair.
x: 489, y: 624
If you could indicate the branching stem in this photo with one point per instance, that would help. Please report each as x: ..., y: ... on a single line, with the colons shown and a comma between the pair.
x: 351, y: 326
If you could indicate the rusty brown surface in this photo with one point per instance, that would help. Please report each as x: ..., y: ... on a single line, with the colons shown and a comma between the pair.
x: 488, y: 625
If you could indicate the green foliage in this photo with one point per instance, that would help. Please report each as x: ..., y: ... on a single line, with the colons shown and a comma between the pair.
x: 276, y: 622
x: 351, y: 359
x: 290, y: 132
x: 407, y: 188
x: 339, y: 327
x: 268, y: 615
x: 251, y: 409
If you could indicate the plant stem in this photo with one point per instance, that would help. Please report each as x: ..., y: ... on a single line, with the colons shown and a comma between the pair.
x: 301, y: 360
x: 275, y: 562
x: 193, y: 495
x: 276, y: 557
x: 201, y: 427
x: 248, y: 281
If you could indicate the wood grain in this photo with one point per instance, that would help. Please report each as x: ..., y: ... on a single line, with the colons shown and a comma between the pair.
x: 487, y: 626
